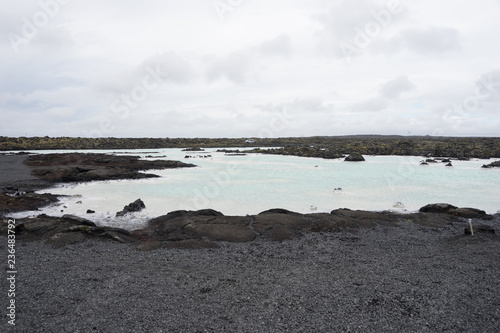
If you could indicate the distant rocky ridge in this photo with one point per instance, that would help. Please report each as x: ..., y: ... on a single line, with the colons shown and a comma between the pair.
x: 319, y: 146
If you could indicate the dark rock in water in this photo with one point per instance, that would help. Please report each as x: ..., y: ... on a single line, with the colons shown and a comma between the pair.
x: 135, y: 206
x: 90, y: 211
x: 492, y: 165
x: 449, y: 165
x: 354, y: 157
x: 424, y: 163
x: 431, y: 160
x: 486, y: 229
x: 446, y: 160
x: 437, y: 208
x: 193, y: 149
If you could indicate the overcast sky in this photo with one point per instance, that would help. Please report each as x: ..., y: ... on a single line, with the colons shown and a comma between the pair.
x: 249, y: 68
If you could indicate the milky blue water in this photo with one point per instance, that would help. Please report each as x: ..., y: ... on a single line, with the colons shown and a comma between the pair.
x: 239, y: 185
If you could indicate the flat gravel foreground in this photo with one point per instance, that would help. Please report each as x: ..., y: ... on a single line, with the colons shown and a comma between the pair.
x: 388, y: 279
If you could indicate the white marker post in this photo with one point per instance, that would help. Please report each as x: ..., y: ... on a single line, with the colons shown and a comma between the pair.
x: 470, y: 225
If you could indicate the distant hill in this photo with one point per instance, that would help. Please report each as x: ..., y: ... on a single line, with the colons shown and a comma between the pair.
x: 318, y: 146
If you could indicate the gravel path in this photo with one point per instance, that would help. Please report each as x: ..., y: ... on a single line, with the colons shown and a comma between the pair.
x: 14, y: 173
x: 401, y: 279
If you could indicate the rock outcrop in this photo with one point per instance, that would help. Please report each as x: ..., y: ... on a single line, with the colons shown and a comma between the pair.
x: 437, y: 208
x: 23, y: 202
x: 79, y: 167
x: 206, y: 228
x: 354, y: 157
x: 444, y: 208
x: 135, y: 206
x: 492, y: 165
x: 68, y: 229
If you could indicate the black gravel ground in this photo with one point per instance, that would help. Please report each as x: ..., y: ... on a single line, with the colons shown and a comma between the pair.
x: 15, y: 174
x: 389, y: 279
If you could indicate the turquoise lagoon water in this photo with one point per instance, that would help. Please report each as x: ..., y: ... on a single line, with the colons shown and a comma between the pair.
x: 240, y: 185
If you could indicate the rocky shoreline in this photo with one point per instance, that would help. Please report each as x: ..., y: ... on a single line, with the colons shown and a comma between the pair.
x: 207, y: 228
x: 23, y: 174
x: 179, y: 229
x: 277, y: 271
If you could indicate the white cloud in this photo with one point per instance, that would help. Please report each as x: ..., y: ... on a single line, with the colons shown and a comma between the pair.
x: 235, y: 67
x: 232, y: 77
x: 59, y: 112
x: 370, y: 105
x: 394, y: 88
x: 432, y: 40
x: 280, y: 45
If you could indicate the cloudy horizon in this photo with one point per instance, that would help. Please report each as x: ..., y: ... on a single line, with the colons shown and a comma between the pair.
x: 249, y: 68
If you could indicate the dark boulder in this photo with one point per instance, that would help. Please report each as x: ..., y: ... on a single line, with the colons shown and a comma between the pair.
x: 135, y: 206
x: 206, y: 212
x: 203, y: 224
x: 61, y: 231
x: 492, y: 165
x: 437, y: 208
x: 445, y: 208
x: 90, y: 211
x: 281, y: 224
x: 354, y: 157
x: 278, y: 211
